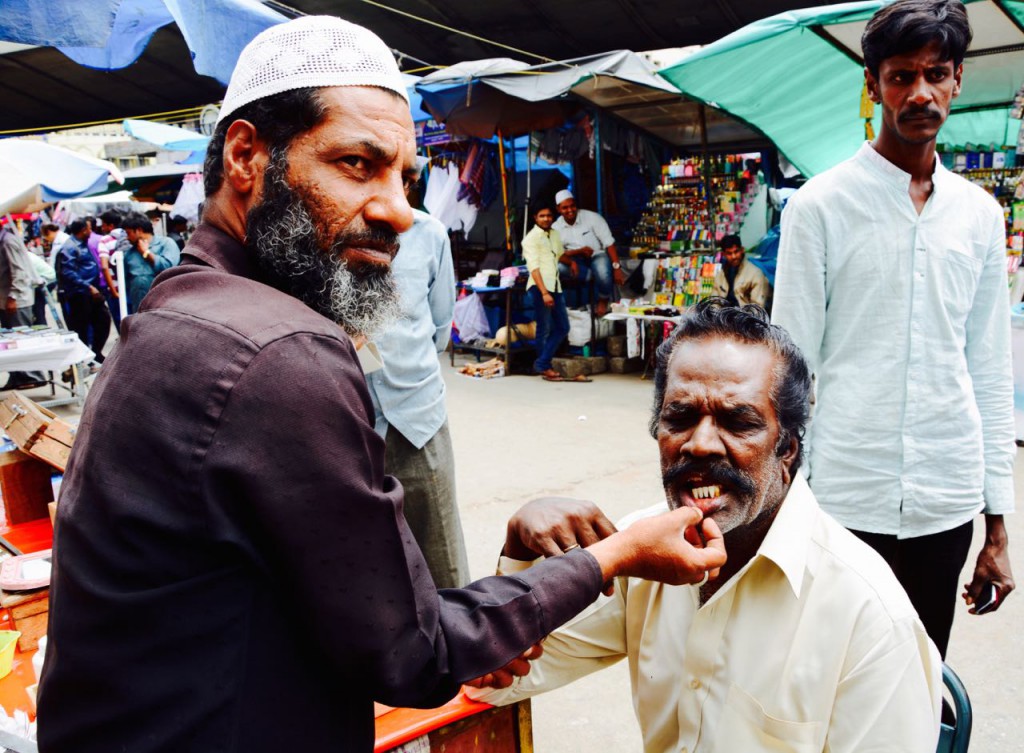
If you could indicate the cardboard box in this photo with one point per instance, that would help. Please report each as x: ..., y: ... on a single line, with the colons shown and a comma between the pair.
x: 29, y: 611
x: 37, y: 430
x: 25, y: 486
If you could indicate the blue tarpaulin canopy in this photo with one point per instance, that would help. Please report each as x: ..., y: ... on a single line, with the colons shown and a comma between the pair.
x: 169, y: 137
x: 34, y: 173
x: 112, y: 34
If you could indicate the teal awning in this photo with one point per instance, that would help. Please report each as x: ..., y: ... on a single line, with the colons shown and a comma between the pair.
x: 797, y: 77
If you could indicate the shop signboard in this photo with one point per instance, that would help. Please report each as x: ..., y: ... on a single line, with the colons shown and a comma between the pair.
x: 432, y: 133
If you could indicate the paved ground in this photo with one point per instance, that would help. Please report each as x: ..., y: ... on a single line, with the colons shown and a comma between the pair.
x: 520, y: 437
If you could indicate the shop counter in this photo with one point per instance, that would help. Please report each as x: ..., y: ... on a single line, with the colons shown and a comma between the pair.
x: 460, y: 726
x: 48, y: 350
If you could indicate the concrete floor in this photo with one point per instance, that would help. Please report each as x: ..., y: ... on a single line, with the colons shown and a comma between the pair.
x: 520, y: 437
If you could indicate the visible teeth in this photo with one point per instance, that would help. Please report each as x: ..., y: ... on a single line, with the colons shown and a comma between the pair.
x: 706, y: 492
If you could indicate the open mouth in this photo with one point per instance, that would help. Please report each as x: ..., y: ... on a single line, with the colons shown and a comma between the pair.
x: 708, y: 498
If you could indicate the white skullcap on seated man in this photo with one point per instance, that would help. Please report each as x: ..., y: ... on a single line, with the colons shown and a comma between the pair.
x: 233, y: 571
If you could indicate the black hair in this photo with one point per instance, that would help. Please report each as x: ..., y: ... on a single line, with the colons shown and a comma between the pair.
x: 729, y: 241
x: 49, y: 227
x: 111, y: 217
x: 76, y: 227
x: 137, y: 221
x: 791, y: 389
x: 278, y: 119
x: 909, y: 25
x: 176, y: 220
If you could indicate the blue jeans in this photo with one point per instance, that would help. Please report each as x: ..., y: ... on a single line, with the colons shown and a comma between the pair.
x: 600, y: 266
x: 552, y: 327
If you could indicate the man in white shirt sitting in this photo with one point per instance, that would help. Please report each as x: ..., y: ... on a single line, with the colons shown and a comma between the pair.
x: 589, y: 248
x: 805, y: 640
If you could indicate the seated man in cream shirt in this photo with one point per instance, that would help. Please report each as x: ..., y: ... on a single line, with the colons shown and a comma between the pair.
x: 804, y: 641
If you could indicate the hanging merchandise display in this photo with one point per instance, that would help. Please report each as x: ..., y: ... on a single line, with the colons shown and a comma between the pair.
x: 999, y: 171
x: 698, y: 202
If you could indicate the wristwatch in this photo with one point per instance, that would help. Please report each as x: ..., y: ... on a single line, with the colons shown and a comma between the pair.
x: 616, y: 265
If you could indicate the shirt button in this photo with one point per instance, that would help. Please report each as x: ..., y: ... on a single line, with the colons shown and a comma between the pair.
x: 695, y: 683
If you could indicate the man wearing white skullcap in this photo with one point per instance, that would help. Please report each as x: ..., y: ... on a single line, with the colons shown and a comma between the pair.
x: 589, y: 249
x: 233, y: 572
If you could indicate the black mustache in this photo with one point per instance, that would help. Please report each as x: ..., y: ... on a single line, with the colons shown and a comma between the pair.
x: 925, y: 113
x: 720, y: 473
x: 379, y: 239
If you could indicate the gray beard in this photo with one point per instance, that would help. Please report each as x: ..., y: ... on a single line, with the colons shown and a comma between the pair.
x: 282, y: 232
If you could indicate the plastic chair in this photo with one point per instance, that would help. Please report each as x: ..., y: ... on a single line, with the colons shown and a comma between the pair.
x: 955, y: 738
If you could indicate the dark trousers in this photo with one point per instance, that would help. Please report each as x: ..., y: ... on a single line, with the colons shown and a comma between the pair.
x: 552, y: 327
x: 114, y: 306
x: 90, y: 320
x: 928, y: 568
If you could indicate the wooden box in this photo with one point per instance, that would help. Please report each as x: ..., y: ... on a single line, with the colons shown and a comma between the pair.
x: 37, y: 430
x: 29, y: 611
x: 26, y: 487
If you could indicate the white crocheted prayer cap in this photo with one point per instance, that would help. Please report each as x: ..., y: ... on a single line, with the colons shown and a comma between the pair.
x: 564, y: 195
x: 311, y: 51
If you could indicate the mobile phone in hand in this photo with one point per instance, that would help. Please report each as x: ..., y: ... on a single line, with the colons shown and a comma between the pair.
x: 988, y: 599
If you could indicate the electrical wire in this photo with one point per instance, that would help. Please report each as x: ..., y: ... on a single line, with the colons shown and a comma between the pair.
x: 457, y: 31
x: 151, y: 116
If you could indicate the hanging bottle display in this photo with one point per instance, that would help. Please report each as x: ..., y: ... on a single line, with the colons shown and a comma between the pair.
x: 695, y: 205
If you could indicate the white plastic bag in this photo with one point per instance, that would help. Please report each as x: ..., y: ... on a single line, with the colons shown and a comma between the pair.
x: 471, y: 319
x: 579, y: 327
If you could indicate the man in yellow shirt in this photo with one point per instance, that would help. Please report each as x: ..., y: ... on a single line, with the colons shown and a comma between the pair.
x: 541, y: 249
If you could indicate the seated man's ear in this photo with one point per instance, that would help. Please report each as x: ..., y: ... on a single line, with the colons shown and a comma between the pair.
x: 788, y: 455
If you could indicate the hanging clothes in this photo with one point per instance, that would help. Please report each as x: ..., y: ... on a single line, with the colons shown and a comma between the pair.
x: 442, y: 199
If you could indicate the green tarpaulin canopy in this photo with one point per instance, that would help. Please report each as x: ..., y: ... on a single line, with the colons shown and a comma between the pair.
x: 798, y: 76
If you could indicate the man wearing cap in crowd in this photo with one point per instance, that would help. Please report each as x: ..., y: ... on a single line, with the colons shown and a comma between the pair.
x: 589, y: 248
x: 233, y: 571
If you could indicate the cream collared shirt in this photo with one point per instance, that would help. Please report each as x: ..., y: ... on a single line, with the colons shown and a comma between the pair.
x: 750, y: 285
x: 812, y: 646
x: 541, y: 249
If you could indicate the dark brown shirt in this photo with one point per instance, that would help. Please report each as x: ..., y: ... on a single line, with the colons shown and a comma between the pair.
x: 233, y: 571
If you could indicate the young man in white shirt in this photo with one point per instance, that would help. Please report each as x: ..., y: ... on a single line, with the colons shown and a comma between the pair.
x: 892, y: 281
x: 804, y: 640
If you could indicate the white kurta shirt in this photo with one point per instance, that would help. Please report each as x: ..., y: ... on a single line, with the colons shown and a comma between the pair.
x: 812, y: 646
x: 904, y: 317
x: 590, y: 229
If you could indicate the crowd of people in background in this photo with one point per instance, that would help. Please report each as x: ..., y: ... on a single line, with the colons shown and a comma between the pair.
x: 71, y: 267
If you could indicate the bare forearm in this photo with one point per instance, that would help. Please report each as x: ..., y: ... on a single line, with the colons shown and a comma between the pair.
x: 538, y: 280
